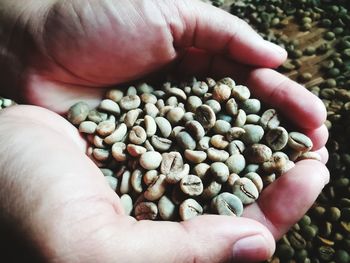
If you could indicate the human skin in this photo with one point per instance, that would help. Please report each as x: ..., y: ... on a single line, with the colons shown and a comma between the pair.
x: 53, y: 53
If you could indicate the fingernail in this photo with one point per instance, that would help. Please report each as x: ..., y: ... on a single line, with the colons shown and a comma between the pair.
x: 252, y: 248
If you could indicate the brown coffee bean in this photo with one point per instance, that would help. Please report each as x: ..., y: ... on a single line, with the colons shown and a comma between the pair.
x: 156, y: 189
x: 257, y: 153
x: 146, y: 211
x: 234, y: 133
x: 221, y: 92
x: 206, y: 116
x: 195, y: 129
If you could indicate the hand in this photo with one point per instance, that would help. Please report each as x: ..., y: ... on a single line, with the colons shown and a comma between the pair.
x: 59, y: 198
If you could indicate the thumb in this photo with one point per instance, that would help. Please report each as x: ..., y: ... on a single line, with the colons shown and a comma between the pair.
x: 208, y: 238
x: 212, y: 29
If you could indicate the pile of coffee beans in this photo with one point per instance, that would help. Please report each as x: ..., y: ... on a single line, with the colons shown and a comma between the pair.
x: 186, y: 149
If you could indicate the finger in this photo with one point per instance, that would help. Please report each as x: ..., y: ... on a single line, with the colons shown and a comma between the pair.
x: 203, y: 239
x: 318, y: 136
x: 295, y: 102
x: 286, y: 200
x: 210, y: 28
x: 323, y: 152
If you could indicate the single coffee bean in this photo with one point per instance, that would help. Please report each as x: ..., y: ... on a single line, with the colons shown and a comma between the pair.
x: 251, y: 106
x: 172, y: 101
x: 185, y: 140
x: 310, y: 155
x: 195, y: 156
x: 191, y: 185
x: 101, y: 154
x: 299, y: 142
x: 216, y: 155
x: 228, y: 81
x: 221, y: 127
x: 206, y: 116
x: 269, y: 119
x: 175, y: 115
x: 126, y: 202
x: 150, y: 160
x: 105, y: 128
x: 253, y: 134
x: 195, y: 129
x: 203, y: 143
x: 166, y: 208
x: 109, y: 106
x: 148, y: 98
x: 88, y: 127
x: 275, y: 164
x: 232, y: 107
x: 256, y: 179
x: 214, y: 105
x: 227, y: 204
x: 150, y: 176
x: 97, y: 116
x: 190, y: 208
x: 199, y: 88
x: 201, y: 169
x: 115, y: 95
x: 164, y: 126
x: 241, y: 118
x: 125, y: 185
x: 112, y: 182
x: 137, y: 135
x: 219, y: 142
x: 236, y: 163
x: 252, y: 119
x: 245, y: 190
x: 219, y: 171
x: 277, y: 138
x: 240, y: 92
x: 211, y: 190
x: 326, y: 253
x: 78, y: 112
x: 188, y: 116
x: 179, y: 93
x: 135, y: 150
x: 173, y: 167
x: 150, y: 125
x: 117, y: 135
x: 236, y: 147
x: 193, y: 103
x: 130, y: 102
x: 252, y: 167
x: 118, y: 151
x: 146, y: 211
x: 234, y: 133
x: 221, y: 92
x: 131, y: 117
x: 257, y: 153
x: 151, y: 110
x: 156, y: 189
x: 161, y: 144
x: 136, y: 180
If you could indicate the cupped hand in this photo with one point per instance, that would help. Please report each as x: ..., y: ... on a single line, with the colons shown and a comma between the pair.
x: 63, y: 50
x: 59, y: 198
